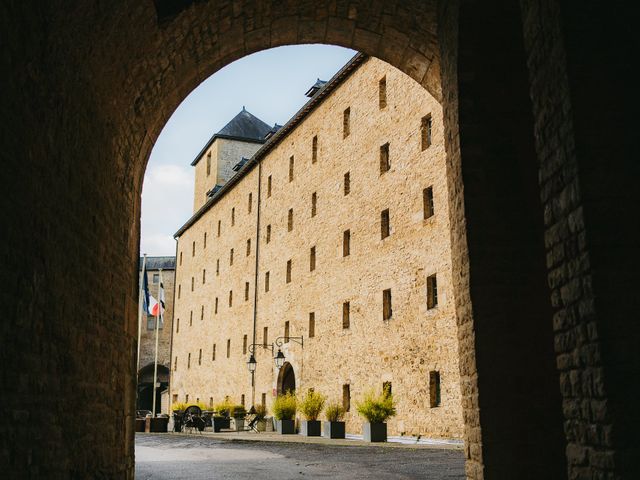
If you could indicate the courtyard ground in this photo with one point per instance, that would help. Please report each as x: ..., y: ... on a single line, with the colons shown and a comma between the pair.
x: 194, y: 457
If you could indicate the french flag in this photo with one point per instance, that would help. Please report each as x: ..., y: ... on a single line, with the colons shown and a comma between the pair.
x: 149, y: 303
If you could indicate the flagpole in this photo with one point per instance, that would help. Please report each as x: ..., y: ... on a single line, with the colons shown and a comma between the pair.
x: 155, y: 361
x: 140, y: 303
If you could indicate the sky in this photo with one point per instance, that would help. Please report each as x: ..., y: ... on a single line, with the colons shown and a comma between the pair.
x: 269, y: 84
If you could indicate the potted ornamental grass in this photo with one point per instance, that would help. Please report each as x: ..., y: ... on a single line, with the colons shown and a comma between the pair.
x: 238, y: 413
x: 284, y: 409
x: 334, y: 426
x: 311, y: 406
x: 376, y: 409
x: 221, y: 417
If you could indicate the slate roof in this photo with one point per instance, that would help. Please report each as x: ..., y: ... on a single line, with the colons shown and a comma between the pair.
x: 315, y: 87
x: 157, y: 263
x: 244, y: 126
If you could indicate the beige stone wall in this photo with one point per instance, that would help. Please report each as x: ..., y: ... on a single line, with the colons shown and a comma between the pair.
x: 147, y: 337
x: 225, y: 154
x: 371, y: 351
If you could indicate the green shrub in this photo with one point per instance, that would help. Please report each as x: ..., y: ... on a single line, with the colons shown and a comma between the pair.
x: 261, y: 411
x: 223, y: 409
x: 178, y: 406
x: 284, y: 406
x: 334, y: 412
x: 312, y: 405
x: 237, y: 411
x: 377, y: 408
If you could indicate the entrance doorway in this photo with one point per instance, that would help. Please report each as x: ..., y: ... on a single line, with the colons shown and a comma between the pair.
x: 286, y: 379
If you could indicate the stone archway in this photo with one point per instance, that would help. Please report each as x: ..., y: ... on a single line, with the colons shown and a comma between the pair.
x: 90, y: 88
x: 286, y: 379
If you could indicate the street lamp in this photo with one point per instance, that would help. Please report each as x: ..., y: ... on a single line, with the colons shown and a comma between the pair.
x: 251, y: 364
x: 279, y: 359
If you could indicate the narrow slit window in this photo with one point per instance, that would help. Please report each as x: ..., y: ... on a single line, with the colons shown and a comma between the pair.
x: 346, y: 315
x: 231, y: 257
x: 213, y: 353
x: 250, y: 202
x: 178, y: 325
x: 434, y: 389
x: 175, y: 364
x: 215, y: 311
x: 385, y: 164
x: 291, y: 163
x: 208, y: 164
x: 189, y: 360
x: 201, y: 312
x: 266, y: 281
x: 382, y: 92
x: 427, y: 200
x: 244, y: 345
x: 248, y: 247
x: 219, y: 227
x: 288, y: 271
x: 385, y: 229
x: 290, y: 220
x: 312, y: 324
x: 246, y: 291
x: 346, y: 397
x: 347, y: 183
x: 346, y: 122
x: 269, y: 186
x: 268, y: 233
x: 265, y: 336
x: 228, y: 347
x: 193, y: 282
x: 346, y: 243
x: 204, y: 276
x: 242, y: 399
x: 191, y: 318
x: 314, y: 204
x: 179, y: 290
x: 386, y: 304
x: 233, y: 216
x: 180, y: 258
x: 200, y: 357
x: 312, y: 259
x: 204, y: 242
x: 217, y: 267
x: 286, y: 331
x: 432, y: 291
x: 425, y: 131
x: 230, y: 298
x: 314, y: 149
x: 264, y: 400
x: 193, y: 249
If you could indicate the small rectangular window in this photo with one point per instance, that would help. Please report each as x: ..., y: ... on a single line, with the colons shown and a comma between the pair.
x: 248, y: 247
x: 217, y: 267
x: 434, y: 389
x: 265, y: 336
x: 151, y: 322
x: 268, y: 233
x: 266, y: 282
x: 230, y: 298
x: 204, y: 276
x: 425, y: 132
x: 269, y: 186
x: 208, y: 164
x: 346, y: 122
x: 427, y: 201
x: 189, y: 361
x: 233, y: 216
x: 213, y: 353
x: 347, y: 183
x: 286, y: 332
x: 174, y: 398
x: 264, y: 400
x: 228, y: 347
x: 204, y: 243
x: 346, y: 397
x: 290, y: 220
x: 385, y: 164
x: 314, y: 149
x: 244, y: 345
x: 432, y: 291
x: 231, y: 257
x: 156, y: 277
x: 250, y: 202
x: 219, y: 227
x: 312, y: 324
x: 382, y: 92
x: 346, y: 243
x: 291, y: 161
x: 346, y: 314
x: 386, y: 304
x: 200, y: 357
x: 246, y: 291
x: 312, y: 259
x: 288, y: 271
x: 216, y: 307
x: 384, y: 224
x: 314, y: 204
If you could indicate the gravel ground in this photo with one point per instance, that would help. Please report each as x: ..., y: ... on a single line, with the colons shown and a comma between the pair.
x: 200, y: 457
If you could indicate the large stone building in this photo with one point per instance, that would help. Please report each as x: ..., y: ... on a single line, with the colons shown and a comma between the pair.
x: 340, y: 218
x: 155, y: 267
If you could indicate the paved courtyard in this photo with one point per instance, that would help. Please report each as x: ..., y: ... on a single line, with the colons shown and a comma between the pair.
x: 193, y: 457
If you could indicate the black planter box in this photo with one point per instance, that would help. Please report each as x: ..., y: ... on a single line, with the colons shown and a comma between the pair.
x: 333, y: 429
x: 221, y: 422
x: 374, y: 432
x: 140, y: 422
x: 310, y: 428
x: 177, y: 420
x: 156, y: 425
x: 286, y: 427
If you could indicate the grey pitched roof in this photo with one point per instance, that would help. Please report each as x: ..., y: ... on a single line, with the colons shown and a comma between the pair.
x: 214, y: 190
x: 315, y: 87
x: 244, y: 126
x: 157, y: 263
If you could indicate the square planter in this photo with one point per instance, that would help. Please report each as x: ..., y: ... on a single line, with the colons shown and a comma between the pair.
x: 140, y: 422
x: 310, y: 428
x: 374, y: 432
x: 333, y: 429
x: 238, y: 424
x: 156, y: 425
x: 220, y: 422
x: 286, y: 427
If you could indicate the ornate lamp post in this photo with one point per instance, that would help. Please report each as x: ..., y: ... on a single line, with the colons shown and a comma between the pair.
x: 279, y: 358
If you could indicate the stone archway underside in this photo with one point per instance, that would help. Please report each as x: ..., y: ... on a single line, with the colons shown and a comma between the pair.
x: 91, y: 86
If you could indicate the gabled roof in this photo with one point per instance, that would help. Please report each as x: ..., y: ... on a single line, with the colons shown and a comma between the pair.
x: 157, y: 263
x: 244, y: 126
x: 315, y: 87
